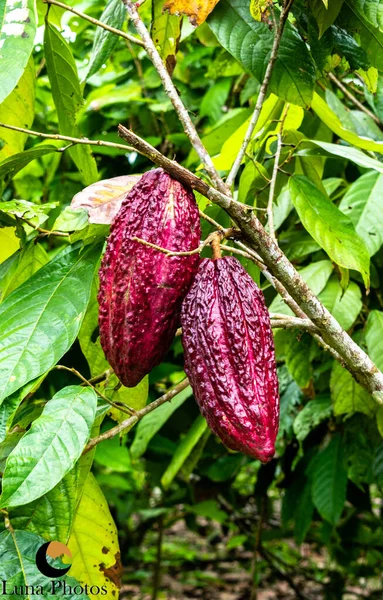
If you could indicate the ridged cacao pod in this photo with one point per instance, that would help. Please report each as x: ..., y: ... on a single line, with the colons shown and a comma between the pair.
x: 229, y: 357
x: 141, y: 289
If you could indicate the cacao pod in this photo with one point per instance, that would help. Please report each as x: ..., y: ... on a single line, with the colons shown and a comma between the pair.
x: 229, y: 357
x: 141, y: 289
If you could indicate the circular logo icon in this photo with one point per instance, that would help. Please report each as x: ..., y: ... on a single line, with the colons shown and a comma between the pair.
x: 52, y: 550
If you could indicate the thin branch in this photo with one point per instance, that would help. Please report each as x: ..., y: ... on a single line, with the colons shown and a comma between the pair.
x: 119, y: 405
x: 220, y: 234
x: 125, y: 425
x: 210, y: 220
x: 262, y: 93
x: 118, y: 32
x: 270, y: 214
x: 354, y: 100
x: 66, y: 138
x: 351, y: 355
x: 174, y: 97
x: 44, y: 232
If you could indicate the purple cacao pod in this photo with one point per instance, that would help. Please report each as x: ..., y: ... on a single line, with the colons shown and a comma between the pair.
x: 141, y: 289
x: 229, y: 357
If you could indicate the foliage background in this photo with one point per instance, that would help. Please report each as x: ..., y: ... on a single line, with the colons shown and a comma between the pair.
x: 218, y: 524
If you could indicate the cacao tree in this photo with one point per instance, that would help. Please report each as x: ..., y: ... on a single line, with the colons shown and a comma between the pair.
x: 264, y: 122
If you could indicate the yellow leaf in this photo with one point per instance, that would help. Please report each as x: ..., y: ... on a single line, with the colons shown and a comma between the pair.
x: 94, y: 543
x: 9, y: 243
x: 196, y: 10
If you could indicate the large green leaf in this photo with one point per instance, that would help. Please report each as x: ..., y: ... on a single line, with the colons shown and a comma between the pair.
x: 250, y: 42
x: 344, y: 306
x: 152, y: 423
x: 184, y: 449
x: 369, y: 37
x: 104, y: 42
x: 363, y: 203
x: 374, y: 337
x: 18, y: 551
x: 9, y: 407
x: 13, y: 164
x: 27, y: 261
x: 347, y: 395
x: 325, y: 15
x: 324, y: 112
x: 66, y: 91
x: 370, y: 10
x: 52, y: 515
x: 353, y: 154
x: 17, y: 35
x: 40, y: 320
x: 18, y: 109
x: 329, y: 481
x: 50, y: 449
x: 333, y: 231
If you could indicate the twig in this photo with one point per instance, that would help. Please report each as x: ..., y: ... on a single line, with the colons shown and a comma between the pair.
x: 262, y: 93
x: 118, y: 32
x: 210, y: 220
x: 174, y: 97
x: 119, y: 405
x: 221, y: 234
x: 125, y: 425
x: 270, y: 215
x: 66, y: 138
x: 354, y: 100
x: 44, y: 232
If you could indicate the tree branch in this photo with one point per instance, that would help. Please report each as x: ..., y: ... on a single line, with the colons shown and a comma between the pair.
x: 125, y: 425
x: 174, y: 97
x: 262, y: 92
x: 354, y: 100
x: 118, y: 32
x: 66, y: 138
x: 354, y: 358
x: 270, y: 214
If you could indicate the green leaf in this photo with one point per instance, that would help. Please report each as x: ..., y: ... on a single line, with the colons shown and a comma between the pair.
x: 325, y: 15
x: 363, y: 203
x: 347, y: 395
x: 165, y: 32
x: 52, y: 515
x: 311, y: 415
x: 17, y: 35
x: 304, y: 512
x: 298, y: 359
x: 12, y: 165
x: 183, y: 450
x: 71, y: 219
x: 113, y: 455
x: 374, y: 337
x: 329, y: 481
x: 324, y: 112
x: 332, y: 230
x: 315, y: 275
x: 9, y: 407
x: 344, y: 306
x: 250, y: 42
x: 28, y: 261
x: 51, y: 447
x: 369, y: 37
x: 66, y: 91
x: 17, y: 109
x: 214, y: 99
x: 18, y: 550
x: 209, y: 509
x: 151, y: 423
x: 94, y: 542
x: 40, y: 320
x: 370, y: 10
x: 37, y: 213
x: 104, y: 41
x: 356, y: 156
